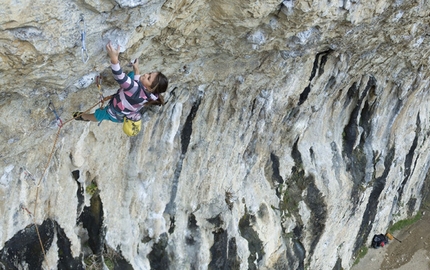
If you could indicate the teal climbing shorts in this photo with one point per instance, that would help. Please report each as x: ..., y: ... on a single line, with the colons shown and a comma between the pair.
x: 102, y: 114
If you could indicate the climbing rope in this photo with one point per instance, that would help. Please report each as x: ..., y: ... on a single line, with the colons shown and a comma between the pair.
x: 99, y: 86
x: 33, y: 215
x: 82, y: 28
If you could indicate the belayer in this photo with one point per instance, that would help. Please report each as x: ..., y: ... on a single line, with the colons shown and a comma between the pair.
x: 379, y: 240
x: 136, y: 92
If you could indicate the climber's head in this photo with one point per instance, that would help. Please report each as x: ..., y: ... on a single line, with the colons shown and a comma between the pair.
x: 155, y: 82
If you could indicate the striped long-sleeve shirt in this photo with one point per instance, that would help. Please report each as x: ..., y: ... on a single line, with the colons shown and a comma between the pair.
x: 130, y: 98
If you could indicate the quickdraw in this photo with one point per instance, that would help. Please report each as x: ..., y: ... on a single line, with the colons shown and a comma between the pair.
x: 26, y: 210
x: 82, y: 27
x: 52, y: 108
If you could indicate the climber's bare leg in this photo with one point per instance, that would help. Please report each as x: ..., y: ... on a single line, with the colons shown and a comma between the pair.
x: 89, y: 117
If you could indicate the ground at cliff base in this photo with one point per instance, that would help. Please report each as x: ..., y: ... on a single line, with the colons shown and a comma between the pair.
x: 412, y: 253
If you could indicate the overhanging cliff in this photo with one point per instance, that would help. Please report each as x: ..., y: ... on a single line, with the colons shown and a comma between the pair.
x: 294, y: 130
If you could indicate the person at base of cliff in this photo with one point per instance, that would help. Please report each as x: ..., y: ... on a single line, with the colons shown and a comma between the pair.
x: 134, y: 93
x: 379, y: 240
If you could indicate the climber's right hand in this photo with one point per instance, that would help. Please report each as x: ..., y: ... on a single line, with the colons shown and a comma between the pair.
x: 113, y: 53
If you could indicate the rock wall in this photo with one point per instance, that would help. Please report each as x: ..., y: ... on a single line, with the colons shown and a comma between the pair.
x: 293, y: 132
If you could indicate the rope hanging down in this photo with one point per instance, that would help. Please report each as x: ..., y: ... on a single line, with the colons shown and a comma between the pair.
x: 33, y: 215
x: 82, y: 27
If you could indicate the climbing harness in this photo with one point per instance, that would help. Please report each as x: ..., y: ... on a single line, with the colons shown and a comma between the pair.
x: 82, y: 27
x: 52, y: 108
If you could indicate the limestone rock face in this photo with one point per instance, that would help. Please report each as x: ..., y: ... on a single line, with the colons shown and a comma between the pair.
x: 293, y: 131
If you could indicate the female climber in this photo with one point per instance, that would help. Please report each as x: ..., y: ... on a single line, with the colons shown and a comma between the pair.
x: 135, y: 92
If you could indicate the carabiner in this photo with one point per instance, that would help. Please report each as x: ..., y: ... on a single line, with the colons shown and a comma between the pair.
x: 82, y: 29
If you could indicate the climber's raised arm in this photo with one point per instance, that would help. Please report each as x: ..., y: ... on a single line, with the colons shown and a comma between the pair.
x: 120, y: 77
x: 113, y: 53
x: 145, y: 89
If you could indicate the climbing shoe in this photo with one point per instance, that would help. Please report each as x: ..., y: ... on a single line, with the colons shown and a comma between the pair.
x: 78, y: 116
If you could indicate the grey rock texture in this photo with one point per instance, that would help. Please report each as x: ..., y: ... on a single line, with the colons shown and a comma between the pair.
x: 294, y: 131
